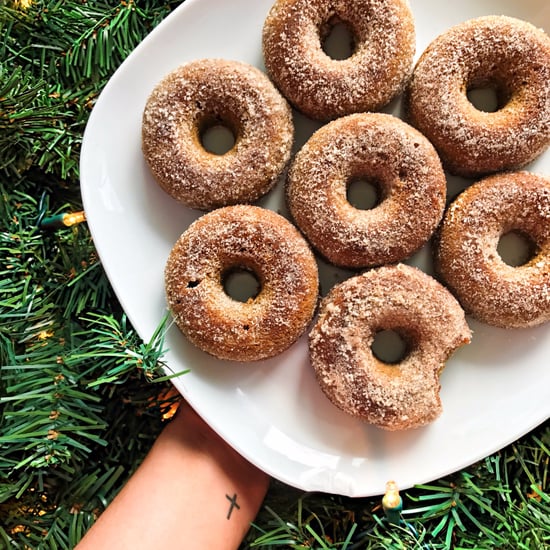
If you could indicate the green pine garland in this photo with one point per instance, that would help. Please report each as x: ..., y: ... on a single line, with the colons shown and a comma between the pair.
x: 81, y: 396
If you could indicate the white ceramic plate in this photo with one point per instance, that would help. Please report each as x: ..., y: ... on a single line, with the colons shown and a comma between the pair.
x: 273, y: 412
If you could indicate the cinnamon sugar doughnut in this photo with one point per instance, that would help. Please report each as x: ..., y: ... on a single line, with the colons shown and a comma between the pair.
x: 210, y: 92
x: 325, y: 88
x: 251, y: 238
x: 376, y: 147
x: 399, y: 298
x: 503, y: 53
x: 469, y: 263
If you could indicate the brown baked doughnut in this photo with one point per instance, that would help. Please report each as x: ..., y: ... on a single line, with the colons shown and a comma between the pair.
x: 468, y: 261
x: 505, y: 54
x: 399, y: 298
x: 325, y: 88
x: 215, y: 92
x: 250, y: 238
x: 379, y: 148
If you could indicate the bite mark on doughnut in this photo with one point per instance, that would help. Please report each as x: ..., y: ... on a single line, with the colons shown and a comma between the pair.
x: 391, y: 396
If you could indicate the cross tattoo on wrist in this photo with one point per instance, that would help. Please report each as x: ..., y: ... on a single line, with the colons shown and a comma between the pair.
x: 233, y: 501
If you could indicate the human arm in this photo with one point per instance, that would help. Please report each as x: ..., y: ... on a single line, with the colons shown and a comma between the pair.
x: 192, y: 491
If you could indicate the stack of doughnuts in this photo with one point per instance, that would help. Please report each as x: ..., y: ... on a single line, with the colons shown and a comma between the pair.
x: 404, y: 160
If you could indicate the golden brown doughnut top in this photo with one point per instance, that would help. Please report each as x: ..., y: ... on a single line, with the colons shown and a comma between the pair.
x: 325, y: 88
x: 467, y: 256
x: 252, y: 238
x: 507, y: 54
x: 373, y: 146
x: 400, y: 298
x: 207, y: 92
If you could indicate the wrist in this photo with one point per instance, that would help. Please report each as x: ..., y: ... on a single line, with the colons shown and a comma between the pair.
x: 190, y: 432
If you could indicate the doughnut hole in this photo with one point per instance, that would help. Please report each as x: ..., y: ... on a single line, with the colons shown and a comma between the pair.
x: 241, y: 284
x: 338, y: 39
x: 217, y: 134
x: 488, y: 93
x: 391, y: 346
x: 484, y: 99
x: 364, y: 193
x: 516, y: 248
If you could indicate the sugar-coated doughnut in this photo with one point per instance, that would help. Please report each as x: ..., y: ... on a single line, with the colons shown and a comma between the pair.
x: 469, y: 263
x: 399, y: 298
x: 325, y: 88
x: 499, y: 52
x: 251, y: 238
x: 216, y: 92
x: 376, y: 147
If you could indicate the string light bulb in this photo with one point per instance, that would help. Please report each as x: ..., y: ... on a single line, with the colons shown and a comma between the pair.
x: 67, y: 219
x: 22, y: 4
x: 392, y: 503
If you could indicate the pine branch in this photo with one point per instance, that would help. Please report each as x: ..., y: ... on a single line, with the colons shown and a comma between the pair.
x: 63, y: 373
x: 30, y: 124
x: 51, y: 413
x: 40, y: 269
x: 77, y: 413
x: 53, y: 426
x: 57, y: 56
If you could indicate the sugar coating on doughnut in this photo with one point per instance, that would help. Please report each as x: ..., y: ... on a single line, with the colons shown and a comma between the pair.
x: 372, y: 146
x: 204, y: 93
x: 242, y: 237
x: 400, y: 298
x: 468, y: 261
x: 505, y: 53
x: 326, y: 88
